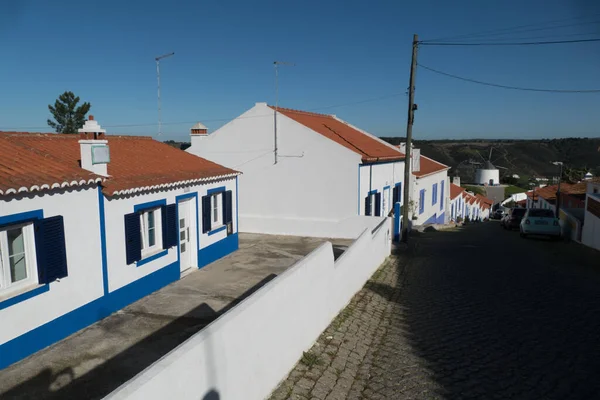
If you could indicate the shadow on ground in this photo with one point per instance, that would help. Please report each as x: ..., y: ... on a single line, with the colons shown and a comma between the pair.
x: 506, y: 318
x: 105, y: 378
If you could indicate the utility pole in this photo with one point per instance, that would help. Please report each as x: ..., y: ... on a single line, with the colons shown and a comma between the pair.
x: 558, y: 189
x: 275, y: 64
x: 409, y: 124
x: 157, y: 59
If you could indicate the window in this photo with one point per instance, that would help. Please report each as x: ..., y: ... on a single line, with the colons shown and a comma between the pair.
x: 17, y: 257
x: 216, y: 213
x: 434, y: 194
x: 422, y: 201
x: 151, y: 231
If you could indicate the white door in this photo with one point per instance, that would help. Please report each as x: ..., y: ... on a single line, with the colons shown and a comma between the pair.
x: 385, y: 202
x: 185, y: 244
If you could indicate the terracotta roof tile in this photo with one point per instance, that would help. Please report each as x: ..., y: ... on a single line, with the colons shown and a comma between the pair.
x: 429, y: 166
x: 33, y: 161
x: 455, y: 190
x: 370, y: 148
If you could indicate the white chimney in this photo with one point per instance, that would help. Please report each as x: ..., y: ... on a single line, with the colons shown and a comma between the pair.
x: 198, y: 133
x: 416, y: 159
x: 95, y: 155
x: 456, y: 180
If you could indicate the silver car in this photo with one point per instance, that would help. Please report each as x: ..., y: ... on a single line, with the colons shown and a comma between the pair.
x: 539, y: 221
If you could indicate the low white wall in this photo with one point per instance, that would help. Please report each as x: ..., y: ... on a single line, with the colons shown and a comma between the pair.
x: 245, y: 353
x: 349, y: 228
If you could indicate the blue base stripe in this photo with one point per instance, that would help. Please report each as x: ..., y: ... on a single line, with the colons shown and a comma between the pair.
x: 217, y: 250
x: 67, y: 324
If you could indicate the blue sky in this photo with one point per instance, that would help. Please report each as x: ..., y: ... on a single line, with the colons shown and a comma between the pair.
x: 344, y: 52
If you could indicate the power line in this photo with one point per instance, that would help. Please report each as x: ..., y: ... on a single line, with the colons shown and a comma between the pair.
x: 510, y: 43
x: 506, y: 86
x: 513, y: 29
x: 557, y: 36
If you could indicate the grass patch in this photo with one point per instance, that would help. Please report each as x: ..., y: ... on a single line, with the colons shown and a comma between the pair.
x: 475, y: 189
x: 310, y: 359
x: 510, y: 190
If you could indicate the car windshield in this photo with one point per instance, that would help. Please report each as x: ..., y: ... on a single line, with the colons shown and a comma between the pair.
x: 541, y: 213
x: 518, y: 212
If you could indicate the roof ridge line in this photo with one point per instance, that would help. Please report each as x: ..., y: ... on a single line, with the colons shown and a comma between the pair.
x: 300, y: 111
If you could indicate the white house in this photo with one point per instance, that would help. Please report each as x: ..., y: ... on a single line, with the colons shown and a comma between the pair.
x: 303, y: 171
x: 89, y: 226
x: 430, y: 192
x: 457, y: 202
x: 590, y: 235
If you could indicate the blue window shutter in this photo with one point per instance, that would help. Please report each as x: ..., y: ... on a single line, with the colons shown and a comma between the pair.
x: 227, y: 207
x: 368, y: 205
x: 51, y: 249
x: 442, y: 197
x: 133, y: 238
x: 422, y: 201
x: 434, y: 194
x: 377, y: 204
x: 206, y: 214
x: 170, y: 229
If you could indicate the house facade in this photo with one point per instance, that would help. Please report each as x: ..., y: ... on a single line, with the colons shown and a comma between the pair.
x: 90, y: 223
x: 322, y: 171
x: 430, y: 191
x: 457, y: 202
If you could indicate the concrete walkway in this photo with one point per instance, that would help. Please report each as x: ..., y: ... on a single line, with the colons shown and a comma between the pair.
x: 96, y: 360
x: 454, y: 318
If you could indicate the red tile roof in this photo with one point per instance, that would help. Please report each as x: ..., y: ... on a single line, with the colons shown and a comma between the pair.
x: 371, y: 148
x: 485, y: 200
x: 455, y: 190
x: 35, y: 161
x: 429, y: 166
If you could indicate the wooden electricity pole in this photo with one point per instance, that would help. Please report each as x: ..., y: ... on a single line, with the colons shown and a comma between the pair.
x: 409, y: 124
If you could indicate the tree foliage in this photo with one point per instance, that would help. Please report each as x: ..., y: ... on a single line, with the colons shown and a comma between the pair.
x: 68, y: 117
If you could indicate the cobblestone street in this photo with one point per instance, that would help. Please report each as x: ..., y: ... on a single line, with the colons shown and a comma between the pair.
x: 471, y: 313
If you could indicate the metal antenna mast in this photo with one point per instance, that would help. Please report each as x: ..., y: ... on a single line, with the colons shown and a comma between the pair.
x: 157, y: 59
x: 275, y: 64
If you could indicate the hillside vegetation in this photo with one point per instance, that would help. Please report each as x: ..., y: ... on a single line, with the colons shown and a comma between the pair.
x: 526, y: 158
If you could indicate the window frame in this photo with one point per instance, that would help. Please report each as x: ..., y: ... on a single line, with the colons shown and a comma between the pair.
x: 157, y: 247
x: 8, y: 288
x: 216, y: 206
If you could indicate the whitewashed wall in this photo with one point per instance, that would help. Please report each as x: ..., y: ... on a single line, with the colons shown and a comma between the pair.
x: 590, y: 234
x: 234, y: 358
x: 427, y: 183
x: 83, y: 284
x: 119, y: 273
x: 314, y: 179
x: 377, y: 177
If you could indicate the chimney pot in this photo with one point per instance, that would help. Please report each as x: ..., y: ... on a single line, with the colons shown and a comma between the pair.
x: 91, y: 117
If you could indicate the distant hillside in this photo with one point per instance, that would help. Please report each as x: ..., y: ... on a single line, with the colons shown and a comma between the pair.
x: 178, y: 145
x: 526, y: 158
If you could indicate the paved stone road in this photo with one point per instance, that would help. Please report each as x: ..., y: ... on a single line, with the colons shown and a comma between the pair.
x: 475, y: 313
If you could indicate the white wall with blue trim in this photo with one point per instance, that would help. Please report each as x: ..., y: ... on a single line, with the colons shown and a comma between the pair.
x: 379, y: 180
x: 97, y: 279
x: 431, y: 211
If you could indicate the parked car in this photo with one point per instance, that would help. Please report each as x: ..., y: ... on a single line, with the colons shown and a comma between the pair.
x: 539, y: 221
x: 498, y: 214
x: 513, y: 218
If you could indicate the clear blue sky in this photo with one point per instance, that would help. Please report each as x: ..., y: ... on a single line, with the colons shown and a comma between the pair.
x: 344, y: 52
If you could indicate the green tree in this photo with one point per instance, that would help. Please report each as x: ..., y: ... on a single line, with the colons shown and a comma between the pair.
x: 68, y: 117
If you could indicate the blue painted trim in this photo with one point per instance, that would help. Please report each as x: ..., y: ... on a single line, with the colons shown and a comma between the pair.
x: 216, y: 190
x: 103, y: 239
x: 434, y: 195
x: 431, y: 220
x: 397, y: 219
x: 21, y: 217
x: 24, y: 296
x: 217, y: 230
x: 67, y: 324
x: 373, y: 191
x: 150, y: 204
x: 237, y: 208
x: 421, y: 201
x: 218, y: 250
x: 151, y: 258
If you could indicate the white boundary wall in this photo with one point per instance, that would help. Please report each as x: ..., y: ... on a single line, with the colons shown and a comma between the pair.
x: 246, y: 353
